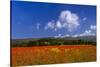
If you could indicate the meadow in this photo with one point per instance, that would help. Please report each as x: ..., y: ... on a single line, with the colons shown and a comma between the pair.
x: 39, y: 55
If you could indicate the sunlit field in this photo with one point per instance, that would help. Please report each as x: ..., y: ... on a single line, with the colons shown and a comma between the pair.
x: 22, y: 56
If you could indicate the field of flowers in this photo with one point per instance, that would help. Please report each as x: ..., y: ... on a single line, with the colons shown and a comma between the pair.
x: 22, y: 56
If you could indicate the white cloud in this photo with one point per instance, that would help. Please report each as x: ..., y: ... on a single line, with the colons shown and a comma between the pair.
x: 90, y: 32
x: 76, y: 35
x: 59, y: 35
x: 87, y: 33
x: 70, y: 20
x: 93, y: 27
x: 38, y: 26
x: 67, y: 35
x: 50, y: 25
x: 62, y: 36
x: 67, y: 20
x: 58, y: 24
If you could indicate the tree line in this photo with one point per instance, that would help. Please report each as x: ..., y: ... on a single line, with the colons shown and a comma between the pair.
x: 51, y: 42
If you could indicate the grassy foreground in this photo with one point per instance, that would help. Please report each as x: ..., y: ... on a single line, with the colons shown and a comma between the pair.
x: 22, y: 56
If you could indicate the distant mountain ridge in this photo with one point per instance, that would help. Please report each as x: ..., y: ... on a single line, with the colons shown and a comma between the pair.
x: 88, y: 38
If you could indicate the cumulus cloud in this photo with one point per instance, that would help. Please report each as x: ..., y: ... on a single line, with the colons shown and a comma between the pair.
x: 67, y: 20
x: 70, y: 20
x: 93, y: 27
x: 87, y: 33
x: 50, y: 25
x: 58, y: 24
x: 90, y: 32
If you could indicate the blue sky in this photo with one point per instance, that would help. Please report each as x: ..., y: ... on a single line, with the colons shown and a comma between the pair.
x: 36, y: 20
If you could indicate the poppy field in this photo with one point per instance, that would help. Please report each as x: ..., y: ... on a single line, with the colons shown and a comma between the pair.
x: 36, y: 55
